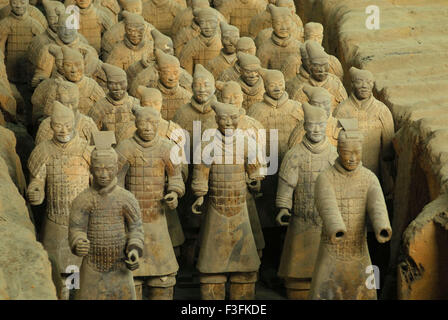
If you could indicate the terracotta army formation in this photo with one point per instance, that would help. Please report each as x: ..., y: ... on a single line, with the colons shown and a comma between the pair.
x: 227, y: 246
x: 274, y: 52
x: 106, y: 230
x: 240, y: 12
x: 227, y: 56
x: 375, y: 122
x: 33, y: 12
x: 250, y: 80
x: 344, y: 195
x: 295, y: 193
x: 114, y: 111
x: 315, y: 31
x: 59, y: 170
x: 204, y: 47
x: 244, y: 45
x: 134, y: 45
x: 67, y: 93
x: 93, y: 22
x: 319, y: 77
x: 161, y: 13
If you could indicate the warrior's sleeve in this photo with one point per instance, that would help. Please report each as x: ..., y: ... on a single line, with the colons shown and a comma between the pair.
x: 225, y: 8
x: 336, y: 67
x: 199, y: 183
x: 254, y: 159
x: 79, y: 219
x: 44, y: 64
x: 88, y: 130
x: 38, y: 170
x: 296, y: 135
x: 263, y: 55
x: 123, y: 149
x: 97, y: 115
x: 327, y: 206
x: 186, y: 57
x: 342, y: 93
x: 44, y: 132
x: 387, y: 133
x: 288, y: 177
x: 106, y: 21
x: 377, y: 211
x: 4, y: 33
x: 173, y: 171
x: 133, y: 217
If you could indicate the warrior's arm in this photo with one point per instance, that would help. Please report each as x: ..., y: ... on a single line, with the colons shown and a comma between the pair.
x: 287, y: 180
x: 186, y: 58
x: 4, y: 33
x: 133, y: 217
x: 38, y: 173
x: 327, y: 206
x: 387, y: 134
x: 174, y: 173
x: 377, y: 211
x: 79, y: 220
x: 123, y: 162
x: 199, y: 184
x: 254, y: 158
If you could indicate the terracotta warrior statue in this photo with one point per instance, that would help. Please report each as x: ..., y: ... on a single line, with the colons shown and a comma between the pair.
x: 206, y: 45
x: 344, y: 195
x: 281, y: 45
x: 134, y: 45
x: 227, y: 57
x: 44, y: 61
x: 318, y: 97
x: 261, y: 21
x: 106, y: 230
x: 231, y: 93
x: 315, y: 31
x: 31, y: 9
x: 59, y: 171
x: 375, y: 122
x: 117, y: 32
x: 227, y: 245
x: 8, y: 103
x: 114, y: 111
x: 319, y: 77
x: 109, y: 7
x: 67, y: 93
x: 297, y: 69
x: 295, y: 193
x: 161, y: 13
x: 250, y: 80
x: 240, y: 12
x: 245, y: 45
x: 93, y: 22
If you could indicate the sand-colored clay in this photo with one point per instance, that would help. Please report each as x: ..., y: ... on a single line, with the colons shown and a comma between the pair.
x: 32, y: 10
x: 161, y: 13
x: 240, y: 12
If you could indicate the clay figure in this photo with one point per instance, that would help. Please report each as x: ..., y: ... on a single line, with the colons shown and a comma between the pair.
x: 206, y: 45
x: 227, y: 245
x: 240, y: 12
x: 375, y: 122
x: 250, y: 80
x: 31, y: 9
x: 344, y: 195
x: 59, y: 171
x: 295, y: 193
x: 296, y: 71
x: 110, y: 8
x: 106, y: 230
x: 227, y: 56
x: 261, y: 21
x: 244, y: 45
x: 161, y: 13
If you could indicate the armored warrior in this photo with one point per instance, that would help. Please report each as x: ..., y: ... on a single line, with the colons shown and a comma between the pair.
x: 274, y: 52
x: 319, y: 77
x: 67, y: 93
x: 244, y: 45
x: 250, y: 80
x: 344, y: 195
x: 227, y: 57
x: 161, y: 13
x: 240, y: 12
x: 33, y: 12
x: 148, y: 157
x: 296, y: 71
x: 109, y: 7
x: 59, y: 170
x: 227, y: 245
x: 298, y: 173
x: 206, y: 45
x: 114, y: 111
x: 106, y: 230
x: 260, y: 21
x: 132, y: 48
x: 375, y: 122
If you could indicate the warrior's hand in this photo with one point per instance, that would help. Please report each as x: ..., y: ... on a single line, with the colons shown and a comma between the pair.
x: 35, y: 195
x: 254, y: 186
x: 132, y: 262
x: 199, y: 201
x: 384, y: 235
x: 283, y: 213
x: 82, y: 247
x: 171, y: 200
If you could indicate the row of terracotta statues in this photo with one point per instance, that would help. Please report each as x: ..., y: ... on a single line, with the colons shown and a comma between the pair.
x: 120, y: 97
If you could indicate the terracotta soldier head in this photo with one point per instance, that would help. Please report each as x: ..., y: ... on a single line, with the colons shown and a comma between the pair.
x: 250, y: 66
x: 66, y: 33
x: 282, y: 23
x: 19, y: 7
x: 231, y: 93
x: 314, y: 31
x: 73, y: 64
x: 203, y: 84
x: 207, y: 21
x: 52, y: 11
x: 62, y: 123
x: 67, y: 93
x: 147, y: 122
x: 287, y: 4
x: 274, y: 83
x: 362, y: 83
x: 319, y: 61
x: 319, y: 97
x: 133, y: 6
x: 304, y: 56
x: 162, y: 42
x: 227, y: 117
x: 150, y: 97
x: 104, y: 167
x: 169, y: 69
x: 246, y: 45
x: 134, y: 26
x: 117, y: 82
x: 83, y: 4
x: 315, y: 124
x: 229, y: 37
x: 350, y: 141
x: 56, y: 52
